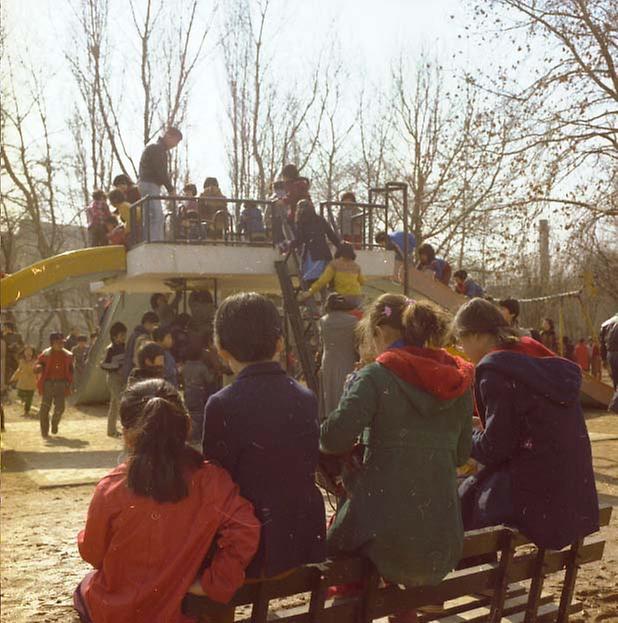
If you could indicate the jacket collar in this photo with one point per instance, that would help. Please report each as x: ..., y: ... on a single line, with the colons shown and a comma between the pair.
x: 262, y: 368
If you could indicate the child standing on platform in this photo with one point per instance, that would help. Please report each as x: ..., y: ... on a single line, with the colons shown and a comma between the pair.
x: 153, y: 520
x: 346, y: 275
x: 96, y: 213
x: 112, y: 364
x: 25, y: 377
x: 263, y: 428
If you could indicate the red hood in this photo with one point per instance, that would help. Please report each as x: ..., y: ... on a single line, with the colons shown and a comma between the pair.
x: 529, y: 346
x: 435, y: 371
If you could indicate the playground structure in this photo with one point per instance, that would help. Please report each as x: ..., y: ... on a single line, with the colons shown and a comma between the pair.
x: 226, y: 264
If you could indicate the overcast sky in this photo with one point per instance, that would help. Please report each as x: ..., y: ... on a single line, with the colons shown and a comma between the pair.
x: 370, y: 34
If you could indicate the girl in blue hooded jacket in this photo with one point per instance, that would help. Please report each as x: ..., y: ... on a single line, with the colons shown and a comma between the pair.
x: 534, y: 445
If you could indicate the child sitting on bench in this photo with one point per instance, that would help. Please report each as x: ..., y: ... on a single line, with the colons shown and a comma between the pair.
x: 263, y: 428
x: 153, y: 520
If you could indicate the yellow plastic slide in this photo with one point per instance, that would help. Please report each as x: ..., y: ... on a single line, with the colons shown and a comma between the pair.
x: 92, y: 264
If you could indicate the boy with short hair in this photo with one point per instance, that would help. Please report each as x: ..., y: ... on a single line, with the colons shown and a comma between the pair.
x: 142, y: 333
x: 112, y: 364
x: 396, y: 242
x: 150, y: 358
x: 163, y: 337
x: 123, y: 209
x: 55, y: 365
x: 264, y: 429
x: 466, y: 285
x: 252, y: 222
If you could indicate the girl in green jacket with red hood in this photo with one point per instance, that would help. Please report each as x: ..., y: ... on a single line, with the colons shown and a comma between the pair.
x: 412, y: 410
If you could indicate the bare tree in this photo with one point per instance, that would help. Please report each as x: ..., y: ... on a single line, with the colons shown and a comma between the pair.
x: 570, y: 107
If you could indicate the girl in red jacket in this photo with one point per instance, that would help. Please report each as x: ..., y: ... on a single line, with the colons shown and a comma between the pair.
x: 153, y: 520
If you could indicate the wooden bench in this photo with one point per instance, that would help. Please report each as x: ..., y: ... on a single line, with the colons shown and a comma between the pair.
x: 488, y: 592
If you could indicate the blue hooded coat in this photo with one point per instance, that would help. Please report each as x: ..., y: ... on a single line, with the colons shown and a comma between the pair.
x: 535, y: 447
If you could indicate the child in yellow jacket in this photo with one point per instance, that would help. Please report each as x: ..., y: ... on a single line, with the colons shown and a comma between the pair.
x: 346, y: 275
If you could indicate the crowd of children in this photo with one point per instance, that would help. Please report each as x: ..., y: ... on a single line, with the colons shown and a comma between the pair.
x: 401, y: 427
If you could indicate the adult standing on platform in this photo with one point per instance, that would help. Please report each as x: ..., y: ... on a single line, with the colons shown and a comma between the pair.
x: 153, y: 173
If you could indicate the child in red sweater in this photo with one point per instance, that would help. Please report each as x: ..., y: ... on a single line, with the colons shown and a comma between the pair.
x: 153, y: 520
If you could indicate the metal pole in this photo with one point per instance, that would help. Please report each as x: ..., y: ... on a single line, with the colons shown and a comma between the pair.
x: 406, y: 284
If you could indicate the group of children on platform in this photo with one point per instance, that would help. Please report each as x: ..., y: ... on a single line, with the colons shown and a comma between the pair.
x: 171, y: 520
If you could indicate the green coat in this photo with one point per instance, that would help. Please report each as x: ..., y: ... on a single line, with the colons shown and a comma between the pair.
x: 402, y: 509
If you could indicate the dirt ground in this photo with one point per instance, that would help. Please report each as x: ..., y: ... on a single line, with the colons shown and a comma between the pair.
x: 43, y: 508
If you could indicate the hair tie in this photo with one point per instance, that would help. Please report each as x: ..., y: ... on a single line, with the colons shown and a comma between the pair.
x: 388, y: 312
x: 410, y: 302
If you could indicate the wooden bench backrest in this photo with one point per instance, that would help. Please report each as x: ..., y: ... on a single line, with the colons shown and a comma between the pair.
x: 378, y: 600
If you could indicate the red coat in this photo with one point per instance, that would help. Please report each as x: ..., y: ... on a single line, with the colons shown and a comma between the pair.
x: 43, y: 362
x: 147, y: 554
x: 582, y: 356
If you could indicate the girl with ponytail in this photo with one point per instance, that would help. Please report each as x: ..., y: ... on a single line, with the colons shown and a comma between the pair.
x: 153, y: 520
x: 412, y: 410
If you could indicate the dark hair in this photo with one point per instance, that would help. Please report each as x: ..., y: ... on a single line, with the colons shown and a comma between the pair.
x: 182, y: 321
x: 336, y: 302
x: 160, y: 332
x: 290, y: 172
x: 190, y: 188
x: 512, y: 305
x: 249, y: 205
x: 248, y: 326
x: 122, y: 179
x: 460, y: 274
x: 99, y: 195
x: 112, y: 220
x: 150, y: 317
x: 154, y: 298
x: 210, y: 181
x: 278, y: 185
x: 148, y: 351
x: 420, y: 322
x: 116, y: 196
x: 480, y: 316
x: 82, y: 338
x: 55, y: 336
x: 157, y: 425
x: 550, y: 322
x: 348, y: 195
x: 117, y: 329
x: 175, y: 132
x: 381, y: 237
x: 428, y: 250
x: 345, y: 250
x: 194, y: 351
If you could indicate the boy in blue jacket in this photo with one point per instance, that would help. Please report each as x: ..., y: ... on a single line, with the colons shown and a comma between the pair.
x: 264, y: 429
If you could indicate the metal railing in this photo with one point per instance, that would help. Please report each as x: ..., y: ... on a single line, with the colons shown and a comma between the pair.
x: 181, y: 226
x: 370, y: 215
x: 224, y: 226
